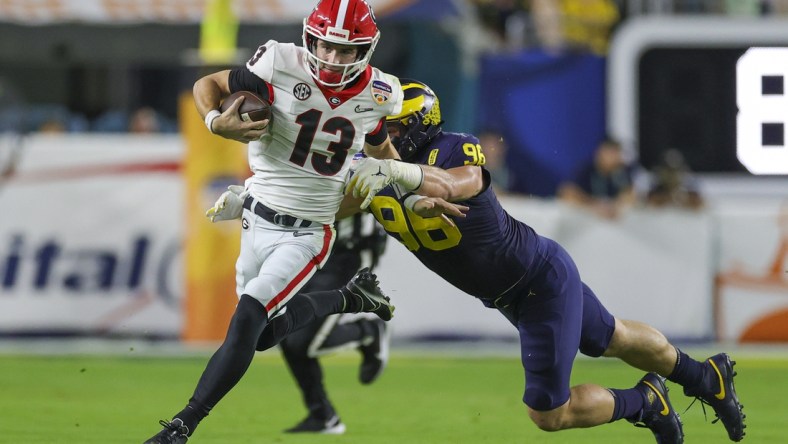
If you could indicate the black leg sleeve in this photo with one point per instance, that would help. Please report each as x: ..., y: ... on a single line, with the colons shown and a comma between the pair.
x: 302, y: 310
x: 316, y: 300
x: 229, y: 363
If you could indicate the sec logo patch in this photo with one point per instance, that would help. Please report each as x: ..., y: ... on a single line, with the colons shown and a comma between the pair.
x: 302, y: 91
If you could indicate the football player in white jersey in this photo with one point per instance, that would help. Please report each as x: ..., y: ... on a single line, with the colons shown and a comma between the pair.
x: 328, y: 103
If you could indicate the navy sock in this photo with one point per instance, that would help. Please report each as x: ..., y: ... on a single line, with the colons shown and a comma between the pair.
x: 628, y: 404
x: 687, y: 372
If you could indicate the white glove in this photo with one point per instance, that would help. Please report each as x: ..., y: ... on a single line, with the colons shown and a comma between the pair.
x: 372, y: 175
x: 229, y: 205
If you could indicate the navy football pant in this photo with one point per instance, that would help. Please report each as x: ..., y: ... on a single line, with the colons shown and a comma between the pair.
x: 557, y: 315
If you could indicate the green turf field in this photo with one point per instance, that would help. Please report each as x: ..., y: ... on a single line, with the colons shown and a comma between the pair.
x: 419, y: 399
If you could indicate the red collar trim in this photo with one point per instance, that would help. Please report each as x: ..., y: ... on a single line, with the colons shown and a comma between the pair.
x: 348, y: 93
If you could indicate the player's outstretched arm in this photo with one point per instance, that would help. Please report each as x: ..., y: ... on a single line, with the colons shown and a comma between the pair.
x: 423, y: 206
x: 437, y: 207
x: 349, y: 206
x: 455, y: 184
x: 229, y: 206
x: 372, y: 175
x: 385, y: 150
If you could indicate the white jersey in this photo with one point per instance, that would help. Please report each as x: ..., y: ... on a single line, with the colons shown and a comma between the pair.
x: 301, y: 164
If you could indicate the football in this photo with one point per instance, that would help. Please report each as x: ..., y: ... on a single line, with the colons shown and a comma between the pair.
x: 254, y: 108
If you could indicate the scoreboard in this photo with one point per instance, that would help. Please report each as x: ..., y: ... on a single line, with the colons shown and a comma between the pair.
x: 715, y: 89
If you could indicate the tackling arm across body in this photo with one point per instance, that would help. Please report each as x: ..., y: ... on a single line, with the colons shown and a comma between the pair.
x: 411, y: 132
x: 229, y: 206
x: 385, y: 150
x: 454, y: 184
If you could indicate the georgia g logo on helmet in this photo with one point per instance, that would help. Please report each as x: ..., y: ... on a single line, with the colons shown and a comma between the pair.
x: 342, y: 22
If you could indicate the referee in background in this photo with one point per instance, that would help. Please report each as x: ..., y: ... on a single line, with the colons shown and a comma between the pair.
x: 359, y: 242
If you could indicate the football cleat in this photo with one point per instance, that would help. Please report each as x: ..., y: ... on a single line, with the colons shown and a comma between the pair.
x: 658, y: 415
x: 375, y: 355
x: 717, y: 390
x: 333, y: 426
x: 367, y: 297
x: 174, y: 432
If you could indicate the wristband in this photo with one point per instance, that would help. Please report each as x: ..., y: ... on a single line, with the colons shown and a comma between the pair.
x: 409, y: 175
x: 210, y: 117
x: 411, y: 200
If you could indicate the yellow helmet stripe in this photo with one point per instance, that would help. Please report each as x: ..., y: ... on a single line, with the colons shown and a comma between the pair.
x: 412, y: 100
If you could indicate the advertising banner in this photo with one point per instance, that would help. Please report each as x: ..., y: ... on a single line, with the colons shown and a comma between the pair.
x: 90, y: 237
x: 106, y: 236
x: 751, y: 297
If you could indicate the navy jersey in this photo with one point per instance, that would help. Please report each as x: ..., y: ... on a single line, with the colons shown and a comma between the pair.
x: 487, y: 253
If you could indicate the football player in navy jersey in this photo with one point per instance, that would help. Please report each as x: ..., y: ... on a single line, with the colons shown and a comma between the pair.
x: 531, y: 280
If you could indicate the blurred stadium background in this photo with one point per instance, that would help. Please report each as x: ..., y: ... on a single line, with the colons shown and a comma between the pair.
x: 106, y: 169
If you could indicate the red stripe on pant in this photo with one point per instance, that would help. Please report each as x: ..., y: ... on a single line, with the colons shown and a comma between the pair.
x: 285, y: 293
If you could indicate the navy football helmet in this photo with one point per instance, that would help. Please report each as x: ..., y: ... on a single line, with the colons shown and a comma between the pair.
x: 418, y: 122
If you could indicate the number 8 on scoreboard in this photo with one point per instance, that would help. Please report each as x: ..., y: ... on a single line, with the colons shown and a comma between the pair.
x: 763, y: 110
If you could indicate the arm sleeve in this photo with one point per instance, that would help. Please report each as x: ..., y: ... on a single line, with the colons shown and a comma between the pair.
x: 378, y: 135
x: 257, y: 74
x: 241, y: 79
